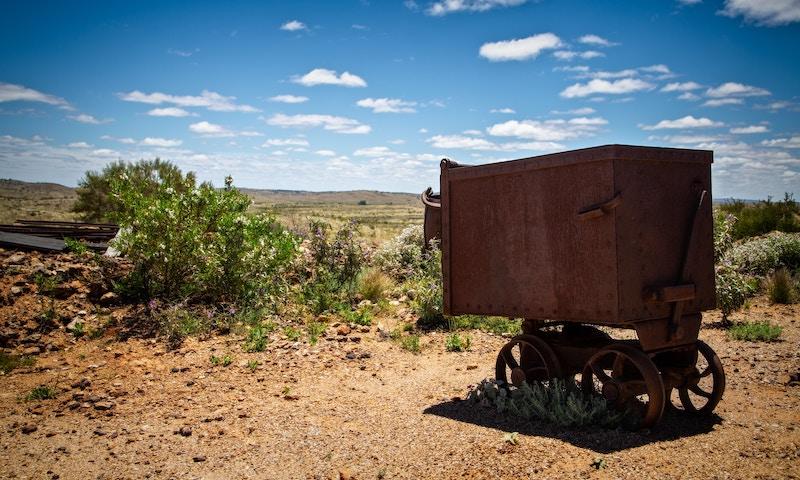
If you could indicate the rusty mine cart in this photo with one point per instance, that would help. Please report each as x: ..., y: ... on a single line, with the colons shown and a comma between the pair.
x: 614, y: 236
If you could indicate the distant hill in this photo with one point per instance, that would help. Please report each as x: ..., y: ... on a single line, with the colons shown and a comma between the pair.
x: 27, y: 190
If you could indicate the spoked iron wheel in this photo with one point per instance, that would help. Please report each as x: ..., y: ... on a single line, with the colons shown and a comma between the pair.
x: 626, y: 377
x: 526, y: 358
x: 703, y: 388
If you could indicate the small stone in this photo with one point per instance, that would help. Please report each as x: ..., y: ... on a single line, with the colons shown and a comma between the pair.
x: 34, y: 350
x: 28, y: 428
x: 472, y: 367
x: 105, y: 405
x: 199, y: 458
x: 16, y: 290
x: 108, y: 298
x: 351, y: 355
x: 345, y: 474
x: 343, y: 329
x: 17, y: 258
x: 185, y: 431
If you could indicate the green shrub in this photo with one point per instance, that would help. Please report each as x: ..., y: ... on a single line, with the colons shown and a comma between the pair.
x: 764, y: 216
x: 402, y: 256
x: 199, y: 243
x: 359, y: 316
x: 780, y: 287
x: 315, y: 329
x: 497, y: 325
x: 761, y: 255
x: 410, y: 343
x: 755, y: 332
x: 75, y: 246
x: 223, y: 361
x: 723, y: 233
x: 456, y: 343
x: 96, y: 200
x: 10, y: 362
x: 293, y: 334
x: 373, y: 284
x: 258, y: 337
x: 331, y: 266
x: 732, y: 289
x: 42, y: 392
x: 558, y: 402
x: 426, y: 284
x: 176, y: 323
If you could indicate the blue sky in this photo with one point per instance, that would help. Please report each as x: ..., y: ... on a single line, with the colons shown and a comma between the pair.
x: 372, y: 94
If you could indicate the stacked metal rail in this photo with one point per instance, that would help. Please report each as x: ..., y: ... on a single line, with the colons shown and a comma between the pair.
x: 46, y: 235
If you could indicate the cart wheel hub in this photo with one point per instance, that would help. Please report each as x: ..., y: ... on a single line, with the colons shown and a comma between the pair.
x: 611, y: 392
x: 518, y: 376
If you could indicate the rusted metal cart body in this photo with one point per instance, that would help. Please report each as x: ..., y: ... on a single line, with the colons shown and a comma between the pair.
x: 617, y: 236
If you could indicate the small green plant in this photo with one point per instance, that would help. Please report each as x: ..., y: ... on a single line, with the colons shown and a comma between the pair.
x: 780, y: 287
x: 10, y: 362
x: 42, y: 392
x: 410, y: 343
x: 427, y: 287
x: 315, y: 329
x: 599, y: 463
x: 258, y: 337
x: 497, y: 325
x: 359, y: 316
x: 456, y: 343
x: 253, y: 365
x: 223, y: 361
x: 558, y: 401
x: 292, y: 334
x: 177, y: 323
x: 511, y: 438
x: 373, y: 284
x: 733, y: 289
x: 75, y: 246
x: 78, y: 330
x: 46, y: 286
x: 755, y: 332
x: 286, y: 391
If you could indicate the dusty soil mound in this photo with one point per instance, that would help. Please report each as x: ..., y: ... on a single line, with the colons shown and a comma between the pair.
x: 355, y: 405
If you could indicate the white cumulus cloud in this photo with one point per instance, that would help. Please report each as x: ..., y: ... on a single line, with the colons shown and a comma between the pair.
x: 680, y: 87
x: 503, y: 110
x: 169, y: 112
x: 285, y: 142
x: 327, y: 122
x: 10, y: 92
x: 323, y: 76
x: 571, y: 54
x: 86, y: 118
x: 207, y: 99
x: 293, y: 26
x: 387, y: 105
x: 592, y: 39
x: 547, y: 130
x: 749, y: 129
x: 520, y: 48
x: 733, y: 89
x: 288, y: 99
x: 161, y: 142
x: 768, y: 13
x: 684, y: 122
x: 438, y: 9
x: 720, y: 102
x: 599, y: 86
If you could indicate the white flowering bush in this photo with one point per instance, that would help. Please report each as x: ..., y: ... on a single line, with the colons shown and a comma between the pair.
x: 426, y: 285
x: 198, y: 243
x: 762, y: 255
x: 723, y: 233
x: 402, y: 256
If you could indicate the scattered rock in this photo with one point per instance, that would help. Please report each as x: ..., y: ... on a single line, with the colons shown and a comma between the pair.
x: 34, y: 350
x: 472, y: 367
x: 343, y: 329
x: 345, y: 474
x: 15, y: 259
x: 108, y: 298
x: 104, y: 405
x: 28, y: 428
x: 199, y: 458
x: 16, y: 290
x: 185, y: 431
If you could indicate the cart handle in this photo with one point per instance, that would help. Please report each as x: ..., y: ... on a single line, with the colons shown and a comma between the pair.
x: 596, y: 211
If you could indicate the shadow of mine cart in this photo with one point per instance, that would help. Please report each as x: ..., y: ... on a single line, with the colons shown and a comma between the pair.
x: 612, y: 236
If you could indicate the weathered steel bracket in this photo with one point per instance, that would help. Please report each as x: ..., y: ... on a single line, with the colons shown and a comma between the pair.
x: 677, y: 309
x: 596, y: 211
